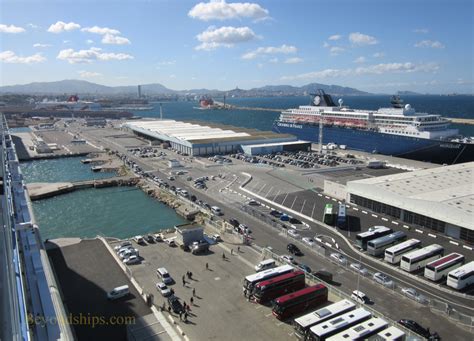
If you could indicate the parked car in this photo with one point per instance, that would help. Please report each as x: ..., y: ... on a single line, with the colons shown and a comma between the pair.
x: 133, y: 259
x: 158, y: 237
x: 123, y: 244
x: 234, y: 222
x: 293, y: 249
x: 149, y: 238
x: 163, y: 289
x: 360, y: 269
x: 127, y: 253
x: 276, y: 214
x: 360, y: 297
x: 125, y: 248
x: 383, y: 279
x: 294, y: 221
x: 305, y: 268
x: 171, y: 178
x: 216, y: 238
x: 414, y: 295
x: 308, y: 241
x: 253, y: 203
x: 170, y: 242
x: 289, y: 259
x: 293, y: 233
x: 417, y: 328
x: 339, y: 258
x: 175, y: 304
x: 139, y: 240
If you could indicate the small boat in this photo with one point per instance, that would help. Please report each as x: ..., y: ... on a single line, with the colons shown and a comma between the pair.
x: 96, y: 168
x: 86, y: 160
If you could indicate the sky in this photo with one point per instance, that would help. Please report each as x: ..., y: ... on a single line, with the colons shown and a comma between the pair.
x: 372, y: 45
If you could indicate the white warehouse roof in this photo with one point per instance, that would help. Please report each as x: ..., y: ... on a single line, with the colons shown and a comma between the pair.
x: 445, y: 193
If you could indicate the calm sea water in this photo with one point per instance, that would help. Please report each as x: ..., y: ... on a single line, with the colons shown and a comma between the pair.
x: 449, y: 106
x: 117, y: 211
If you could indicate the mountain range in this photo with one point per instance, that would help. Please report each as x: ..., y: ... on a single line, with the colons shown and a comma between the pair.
x: 73, y: 86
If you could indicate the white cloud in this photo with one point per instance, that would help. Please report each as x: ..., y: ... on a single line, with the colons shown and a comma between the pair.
x: 39, y: 45
x: 33, y: 26
x: 88, y: 74
x: 11, y: 29
x: 360, y: 60
x: 293, y: 60
x: 283, y: 49
x: 221, y: 10
x: 61, y: 26
x: 89, y: 41
x: 421, y: 30
x: 430, y: 43
x: 172, y: 76
x: 88, y: 56
x: 335, y: 37
x: 378, y: 55
x: 273, y: 60
x: 326, y: 45
x: 359, y: 39
x: 225, y: 36
x: 167, y: 62
x: 11, y: 58
x: 336, y: 50
x: 376, y: 69
x: 115, y: 40
x: 100, y: 30
x: 66, y: 41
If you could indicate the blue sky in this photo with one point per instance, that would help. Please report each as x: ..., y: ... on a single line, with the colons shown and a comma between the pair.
x: 372, y: 45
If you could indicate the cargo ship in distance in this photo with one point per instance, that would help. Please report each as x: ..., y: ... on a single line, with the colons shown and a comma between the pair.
x: 397, y: 131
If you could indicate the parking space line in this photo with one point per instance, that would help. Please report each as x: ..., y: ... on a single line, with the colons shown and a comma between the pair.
x: 467, y: 247
x: 320, y: 195
x: 394, y: 222
x: 326, y: 197
x: 406, y: 226
x: 284, y: 199
x: 333, y: 199
x: 454, y: 243
x: 356, y: 209
x: 419, y: 231
x: 312, y: 212
x: 347, y: 206
x: 293, y: 203
x: 384, y: 219
x: 365, y: 212
x: 375, y: 216
x: 431, y: 235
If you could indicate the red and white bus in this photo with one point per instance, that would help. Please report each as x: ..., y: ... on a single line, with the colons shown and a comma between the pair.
x: 278, y: 286
x: 441, y: 267
x: 300, y: 301
x: 251, y: 280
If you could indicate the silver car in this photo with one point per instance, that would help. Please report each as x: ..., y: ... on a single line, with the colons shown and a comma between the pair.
x: 383, y: 279
x: 360, y: 269
x: 414, y: 295
x: 339, y: 258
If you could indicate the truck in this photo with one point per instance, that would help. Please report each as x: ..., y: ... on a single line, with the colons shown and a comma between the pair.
x: 199, y: 247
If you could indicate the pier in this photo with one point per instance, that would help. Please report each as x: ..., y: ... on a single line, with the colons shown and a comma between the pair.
x: 43, y: 190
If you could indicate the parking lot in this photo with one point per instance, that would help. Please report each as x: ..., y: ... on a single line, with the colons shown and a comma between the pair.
x: 220, y: 310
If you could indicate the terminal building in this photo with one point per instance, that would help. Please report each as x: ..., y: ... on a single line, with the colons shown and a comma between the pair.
x: 209, y: 138
x: 440, y: 199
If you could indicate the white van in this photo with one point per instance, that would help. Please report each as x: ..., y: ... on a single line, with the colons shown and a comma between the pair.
x: 216, y: 210
x: 164, y: 275
x: 265, y: 265
x: 359, y: 297
x: 118, y: 292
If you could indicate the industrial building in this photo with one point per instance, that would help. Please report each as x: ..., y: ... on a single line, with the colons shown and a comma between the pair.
x: 201, y: 138
x: 268, y: 148
x: 439, y: 199
x: 186, y: 234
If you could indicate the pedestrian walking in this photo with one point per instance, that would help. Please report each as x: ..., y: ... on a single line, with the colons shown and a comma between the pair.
x: 185, y: 317
x: 238, y: 249
x: 207, y: 266
x: 194, y: 292
x: 190, y: 275
x: 180, y: 315
x: 169, y: 309
x: 192, y: 301
x: 231, y: 252
x: 223, y: 255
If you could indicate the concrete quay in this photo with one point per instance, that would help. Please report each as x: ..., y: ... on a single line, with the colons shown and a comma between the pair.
x: 42, y: 190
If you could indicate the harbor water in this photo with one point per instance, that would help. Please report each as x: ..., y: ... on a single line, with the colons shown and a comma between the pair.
x: 113, y: 212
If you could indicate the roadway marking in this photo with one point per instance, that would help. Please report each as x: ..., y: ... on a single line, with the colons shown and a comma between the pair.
x: 384, y: 219
x: 320, y: 195
x: 467, y: 247
x: 454, y: 243
x: 431, y: 235
x: 293, y: 203
x: 333, y: 199
x: 326, y: 197
x: 394, y: 222
x: 268, y: 315
x: 327, y: 244
x: 284, y: 199
x: 375, y: 216
x: 356, y: 209
x: 347, y: 206
x: 419, y: 231
x: 304, y: 202
x: 319, y: 240
x: 406, y: 226
x: 312, y: 212
x: 365, y: 212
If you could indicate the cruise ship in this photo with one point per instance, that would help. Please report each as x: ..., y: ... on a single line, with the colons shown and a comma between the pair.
x: 397, y: 131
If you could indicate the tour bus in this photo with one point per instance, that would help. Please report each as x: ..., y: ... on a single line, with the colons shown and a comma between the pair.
x: 341, y: 216
x: 251, y: 280
x: 441, y: 267
x: 362, y: 330
x: 390, y: 334
x: 417, y: 259
x: 304, y: 323
x: 394, y: 254
x: 461, y: 277
x: 300, y: 301
x: 328, y: 217
x: 372, y: 233
x: 377, y: 246
x: 322, y: 331
x: 278, y: 286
